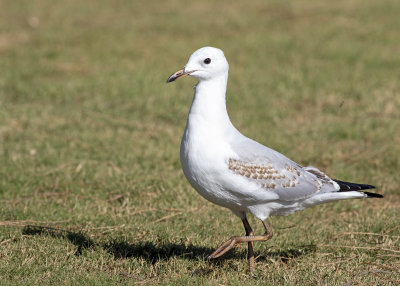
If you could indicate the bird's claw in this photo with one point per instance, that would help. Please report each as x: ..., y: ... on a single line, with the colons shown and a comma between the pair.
x: 224, y: 248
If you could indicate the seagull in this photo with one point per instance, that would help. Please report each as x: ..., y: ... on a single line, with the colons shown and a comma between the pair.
x: 238, y: 173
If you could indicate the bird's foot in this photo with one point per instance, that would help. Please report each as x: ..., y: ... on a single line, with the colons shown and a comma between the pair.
x: 225, y: 247
x: 232, y: 242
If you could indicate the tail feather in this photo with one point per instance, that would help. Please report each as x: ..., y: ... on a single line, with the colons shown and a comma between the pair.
x: 348, y: 187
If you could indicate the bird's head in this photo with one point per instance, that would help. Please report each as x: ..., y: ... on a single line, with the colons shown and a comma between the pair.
x: 203, y: 64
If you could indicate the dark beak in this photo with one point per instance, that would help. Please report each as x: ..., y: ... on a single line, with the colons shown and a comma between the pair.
x: 179, y: 74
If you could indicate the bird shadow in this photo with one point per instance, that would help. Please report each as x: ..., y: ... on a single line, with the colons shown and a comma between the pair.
x: 80, y: 239
x: 153, y: 252
x: 121, y: 249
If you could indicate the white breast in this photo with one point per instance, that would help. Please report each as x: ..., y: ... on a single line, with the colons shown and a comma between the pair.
x: 203, y: 156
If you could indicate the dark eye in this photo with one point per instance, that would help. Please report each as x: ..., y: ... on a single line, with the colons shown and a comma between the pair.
x: 207, y: 61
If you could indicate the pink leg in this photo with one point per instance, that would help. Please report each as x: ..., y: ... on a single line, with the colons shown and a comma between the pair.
x: 249, y: 238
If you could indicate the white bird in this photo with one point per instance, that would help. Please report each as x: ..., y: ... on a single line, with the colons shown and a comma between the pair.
x: 236, y: 172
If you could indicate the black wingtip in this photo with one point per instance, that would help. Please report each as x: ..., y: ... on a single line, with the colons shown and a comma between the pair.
x: 348, y: 187
x: 373, y: 195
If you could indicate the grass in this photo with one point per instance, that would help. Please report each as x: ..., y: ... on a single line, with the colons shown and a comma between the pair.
x: 91, y: 189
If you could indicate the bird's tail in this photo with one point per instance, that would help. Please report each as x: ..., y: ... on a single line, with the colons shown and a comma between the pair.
x: 348, y: 187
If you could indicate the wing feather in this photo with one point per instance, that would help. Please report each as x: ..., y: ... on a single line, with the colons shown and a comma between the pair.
x: 274, y: 172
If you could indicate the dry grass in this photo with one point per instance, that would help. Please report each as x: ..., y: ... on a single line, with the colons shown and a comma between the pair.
x: 91, y: 189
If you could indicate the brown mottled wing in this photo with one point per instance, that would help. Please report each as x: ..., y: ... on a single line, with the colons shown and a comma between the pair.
x: 274, y: 172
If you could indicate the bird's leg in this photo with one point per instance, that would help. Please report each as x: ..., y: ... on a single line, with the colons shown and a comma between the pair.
x: 235, y: 240
x: 268, y: 230
x: 250, y: 251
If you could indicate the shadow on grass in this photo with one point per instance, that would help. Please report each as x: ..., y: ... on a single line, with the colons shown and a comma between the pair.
x: 149, y: 251
x: 81, y: 240
x: 153, y: 252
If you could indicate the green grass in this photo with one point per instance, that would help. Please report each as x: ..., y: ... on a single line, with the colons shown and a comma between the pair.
x: 91, y: 188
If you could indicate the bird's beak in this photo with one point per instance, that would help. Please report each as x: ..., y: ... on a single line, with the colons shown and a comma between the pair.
x: 179, y: 74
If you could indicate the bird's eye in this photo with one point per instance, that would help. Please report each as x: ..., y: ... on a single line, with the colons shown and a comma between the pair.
x: 207, y: 61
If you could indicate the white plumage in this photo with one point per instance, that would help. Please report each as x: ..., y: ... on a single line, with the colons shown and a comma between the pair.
x: 235, y: 172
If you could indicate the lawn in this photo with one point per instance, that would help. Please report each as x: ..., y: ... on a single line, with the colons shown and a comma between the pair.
x: 91, y: 187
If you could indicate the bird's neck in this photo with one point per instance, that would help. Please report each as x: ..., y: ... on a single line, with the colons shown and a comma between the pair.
x: 209, y: 104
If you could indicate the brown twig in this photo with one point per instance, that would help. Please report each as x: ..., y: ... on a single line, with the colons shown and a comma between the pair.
x: 6, y: 241
x: 363, y: 233
x: 12, y: 239
x: 167, y: 217
x: 24, y: 222
x: 142, y: 211
x: 358, y: 247
x: 56, y: 169
x: 178, y: 213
